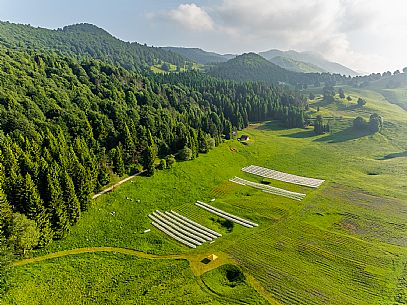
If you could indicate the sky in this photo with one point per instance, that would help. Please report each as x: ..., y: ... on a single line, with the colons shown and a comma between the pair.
x: 365, y: 35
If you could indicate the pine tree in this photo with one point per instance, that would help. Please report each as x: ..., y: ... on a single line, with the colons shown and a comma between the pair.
x: 54, y: 200
x: 150, y: 155
x: 202, y: 143
x: 6, y: 212
x: 73, y: 207
x: 118, y: 161
x: 82, y: 185
x: 35, y: 210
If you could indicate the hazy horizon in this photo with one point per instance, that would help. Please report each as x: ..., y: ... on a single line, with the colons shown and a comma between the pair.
x: 366, y: 36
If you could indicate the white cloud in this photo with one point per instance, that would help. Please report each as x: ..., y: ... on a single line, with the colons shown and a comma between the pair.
x: 191, y: 17
x: 364, y: 34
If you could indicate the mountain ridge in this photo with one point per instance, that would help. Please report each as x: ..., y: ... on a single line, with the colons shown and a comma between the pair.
x: 310, y: 58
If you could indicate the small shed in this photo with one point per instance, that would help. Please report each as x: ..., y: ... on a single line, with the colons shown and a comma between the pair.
x: 244, y: 138
x: 212, y: 257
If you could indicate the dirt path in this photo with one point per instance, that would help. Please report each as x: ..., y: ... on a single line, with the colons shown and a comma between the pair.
x: 109, y: 189
x: 94, y: 250
x: 198, y: 268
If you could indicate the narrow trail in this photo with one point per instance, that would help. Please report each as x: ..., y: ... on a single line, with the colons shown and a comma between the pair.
x: 94, y: 250
x: 109, y: 189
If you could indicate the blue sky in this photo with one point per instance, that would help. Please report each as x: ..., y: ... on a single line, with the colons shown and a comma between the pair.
x: 367, y: 35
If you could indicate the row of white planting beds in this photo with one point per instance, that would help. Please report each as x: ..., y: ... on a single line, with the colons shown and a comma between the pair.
x: 269, y: 189
x: 182, y: 229
x: 276, y: 175
x: 225, y: 215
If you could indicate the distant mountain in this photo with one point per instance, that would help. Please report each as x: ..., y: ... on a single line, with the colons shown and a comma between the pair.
x: 295, y: 65
x: 86, y: 40
x: 310, y: 58
x: 253, y: 67
x: 200, y: 56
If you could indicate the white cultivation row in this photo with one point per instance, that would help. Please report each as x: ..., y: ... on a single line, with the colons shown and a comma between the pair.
x: 269, y: 189
x: 189, y: 221
x: 182, y: 229
x: 179, y: 233
x: 272, y: 174
x: 175, y: 223
x: 172, y: 235
x: 225, y: 215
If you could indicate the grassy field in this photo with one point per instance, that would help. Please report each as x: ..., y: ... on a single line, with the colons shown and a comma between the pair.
x: 344, y: 244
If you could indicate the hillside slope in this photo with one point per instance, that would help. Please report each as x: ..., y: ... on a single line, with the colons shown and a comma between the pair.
x: 295, y: 65
x: 86, y: 40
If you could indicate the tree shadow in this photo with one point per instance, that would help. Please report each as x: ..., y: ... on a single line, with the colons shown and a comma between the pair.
x: 344, y: 136
x: 301, y: 134
x: 272, y: 125
x: 394, y: 155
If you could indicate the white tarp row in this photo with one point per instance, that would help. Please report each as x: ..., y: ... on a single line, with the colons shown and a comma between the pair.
x: 269, y: 189
x: 204, y: 234
x: 196, y: 235
x: 196, y: 224
x: 174, y: 231
x: 225, y: 215
x: 228, y: 214
x: 276, y: 175
x: 172, y: 235
x: 182, y: 229
x: 179, y: 229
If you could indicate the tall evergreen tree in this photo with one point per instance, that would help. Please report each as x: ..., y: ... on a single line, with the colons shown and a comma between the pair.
x: 73, y: 207
x: 150, y: 155
x: 55, y: 203
x: 35, y: 210
x: 6, y: 211
x: 202, y: 143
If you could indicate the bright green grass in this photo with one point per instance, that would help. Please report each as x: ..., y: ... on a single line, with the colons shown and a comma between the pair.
x: 107, y: 278
x: 344, y: 244
x: 158, y: 69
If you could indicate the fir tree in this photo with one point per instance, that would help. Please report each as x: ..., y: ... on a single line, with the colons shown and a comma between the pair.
x: 54, y: 200
x: 72, y: 204
x: 35, y: 210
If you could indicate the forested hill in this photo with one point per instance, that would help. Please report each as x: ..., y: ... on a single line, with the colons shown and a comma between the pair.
x: 86, y: 40
x: 253, y: 67
x: 200, y: 56
x: 68, y: 124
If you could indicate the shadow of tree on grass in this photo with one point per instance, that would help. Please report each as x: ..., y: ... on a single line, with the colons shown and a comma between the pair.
x: 301, y: 134
x: 347, y: 134
x: 394, y: 155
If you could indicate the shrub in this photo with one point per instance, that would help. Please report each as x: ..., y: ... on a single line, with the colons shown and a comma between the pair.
x: 170, y: 161
x: 185, y: 154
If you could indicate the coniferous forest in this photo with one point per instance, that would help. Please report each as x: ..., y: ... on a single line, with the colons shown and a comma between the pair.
x: 68, y: 124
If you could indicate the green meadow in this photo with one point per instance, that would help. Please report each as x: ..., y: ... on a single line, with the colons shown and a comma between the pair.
x: 345, y: 243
